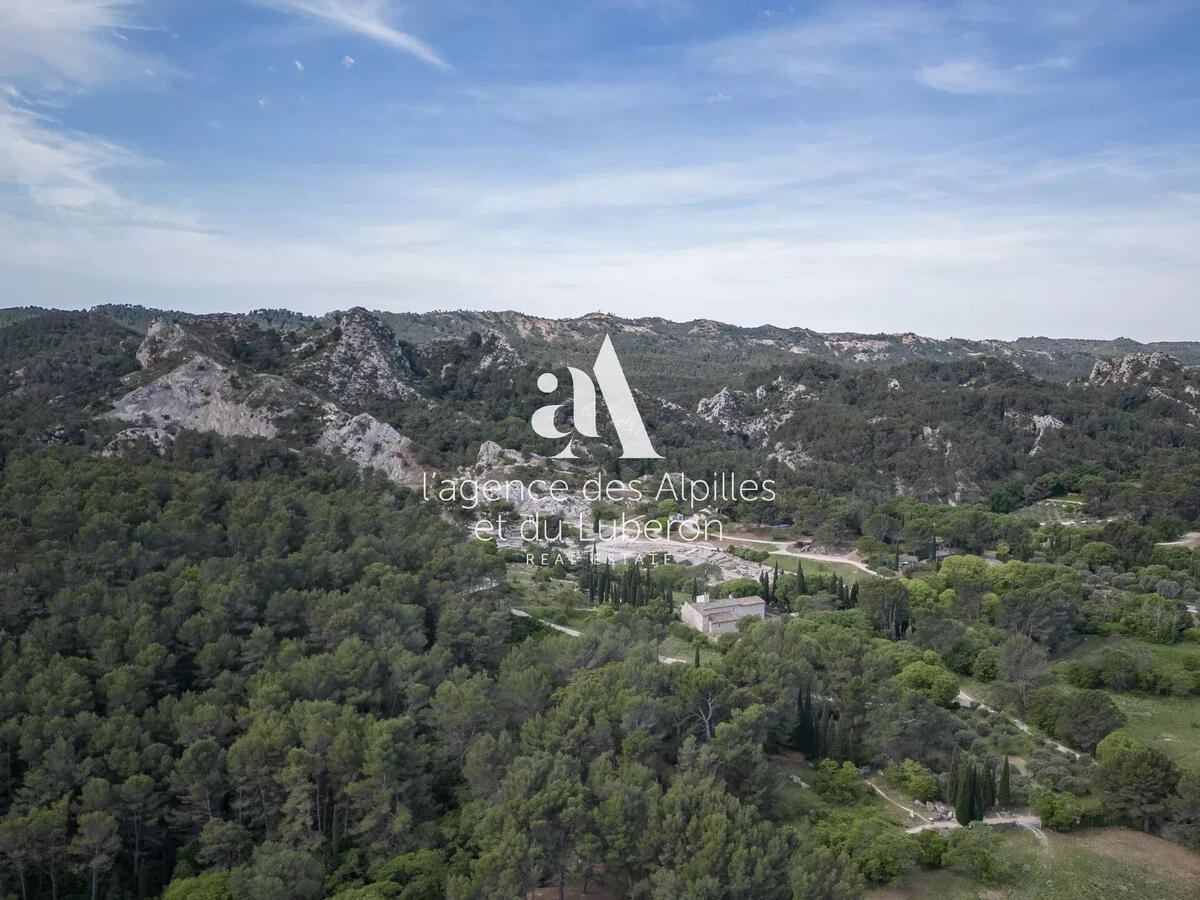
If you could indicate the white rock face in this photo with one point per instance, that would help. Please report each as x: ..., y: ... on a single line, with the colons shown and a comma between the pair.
x: 124, y: 441
x: 198, y: 395
x: 934, y: 440
x: 733, y: 410
x: 162, y: 339
x: 1131, y: 368
x: 1040, y: 425
x: 500, y: 353
x: 363, y: 362
x: 792, y: 457
x: 489, y: 455
x: 1044, y: 424
x: 202, y: 394
x: 493, y: 456
x: 370, y: 444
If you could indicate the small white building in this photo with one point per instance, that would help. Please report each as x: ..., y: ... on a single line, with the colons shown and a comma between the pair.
x: 721, y: 616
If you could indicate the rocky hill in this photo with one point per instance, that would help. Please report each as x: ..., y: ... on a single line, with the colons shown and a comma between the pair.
x: 678, y: 346
x: 402, y: 394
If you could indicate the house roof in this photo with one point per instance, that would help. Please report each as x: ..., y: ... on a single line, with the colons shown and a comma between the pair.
x: 732, y: 608
x: 740, y: 601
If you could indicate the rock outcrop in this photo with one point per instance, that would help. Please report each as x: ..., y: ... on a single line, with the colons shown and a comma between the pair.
x: 203, y: 394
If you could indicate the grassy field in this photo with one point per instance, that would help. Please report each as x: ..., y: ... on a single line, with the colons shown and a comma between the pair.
x: 680, y: 649
x: 819, y: 567
x: 1095, y: 863
x: 1170, y: 723
x: 1058, y: 509
x: 1167, y: 657
x: 571, y: 618
x: 796, y: 802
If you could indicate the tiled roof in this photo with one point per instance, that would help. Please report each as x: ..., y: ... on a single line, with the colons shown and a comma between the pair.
x: 741, y: 601
x: 733, y: 606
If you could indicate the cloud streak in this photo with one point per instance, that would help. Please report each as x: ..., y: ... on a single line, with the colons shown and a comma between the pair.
x: 364, y: 17
x: 58, y: 43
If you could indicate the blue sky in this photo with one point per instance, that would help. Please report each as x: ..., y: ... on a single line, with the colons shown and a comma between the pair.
x: 973, y: 168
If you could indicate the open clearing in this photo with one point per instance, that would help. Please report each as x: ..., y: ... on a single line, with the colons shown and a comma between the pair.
x: 1170, y: 723
x: 847, y: 571
x: 1103, y: 862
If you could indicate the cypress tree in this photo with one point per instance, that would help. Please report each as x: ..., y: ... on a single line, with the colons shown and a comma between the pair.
x: 1004, y: 792
x: 824, y: 737
x: 989, y: 786
x: 854, y: 594
x: 979, y: 793
x: 802, y: 736
x: 801, y: 587
x: 697, y: 656
x: 962, y: 798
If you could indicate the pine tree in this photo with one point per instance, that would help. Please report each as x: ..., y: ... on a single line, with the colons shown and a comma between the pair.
x: 1004, y: 792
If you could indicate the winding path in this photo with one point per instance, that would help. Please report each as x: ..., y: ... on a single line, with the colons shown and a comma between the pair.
x: 1027, y: 821
x: 575, y: 632
x: 1022, y: 820
x: 965, y: 699
x: 780, y: 549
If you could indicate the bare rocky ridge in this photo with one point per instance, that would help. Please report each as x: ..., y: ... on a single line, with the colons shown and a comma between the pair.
x: 354, y: 357
x: 1163, y: 377
x: 942, y: 420
x: 202, y: 394
x: 756, y: 414
x: 1134, y: 368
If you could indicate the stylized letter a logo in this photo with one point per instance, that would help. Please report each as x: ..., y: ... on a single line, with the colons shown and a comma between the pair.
x: 635, y: 443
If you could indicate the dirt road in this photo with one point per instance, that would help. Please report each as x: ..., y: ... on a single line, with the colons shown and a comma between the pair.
x: 965, y: 699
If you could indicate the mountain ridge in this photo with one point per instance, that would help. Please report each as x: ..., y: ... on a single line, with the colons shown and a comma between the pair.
x: 1062, y: 359
x: 407, y: 393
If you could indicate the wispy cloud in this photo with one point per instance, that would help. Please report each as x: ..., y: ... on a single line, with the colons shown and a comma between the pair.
x: 368, y: 18
x: 976, y: 76
x: 827, y: 46
x: 66, y: 42
x: 968, y: 76
x: 51, y: 48
x: 56, y: 169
